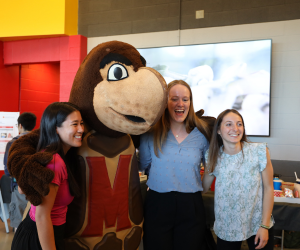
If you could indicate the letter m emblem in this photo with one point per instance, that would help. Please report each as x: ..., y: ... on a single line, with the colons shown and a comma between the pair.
x: 106, y: 204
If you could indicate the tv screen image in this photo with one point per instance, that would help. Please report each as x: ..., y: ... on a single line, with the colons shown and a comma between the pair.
x: 222, y: 76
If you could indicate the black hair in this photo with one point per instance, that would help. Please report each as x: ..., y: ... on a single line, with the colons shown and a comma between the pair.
x: 54, y: 115
x: 27, y: 120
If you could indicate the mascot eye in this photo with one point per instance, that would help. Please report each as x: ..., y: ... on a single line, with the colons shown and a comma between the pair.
x: 117, y: 72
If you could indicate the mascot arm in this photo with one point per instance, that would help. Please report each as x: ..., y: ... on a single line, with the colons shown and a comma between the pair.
x: 210, y: 120
x: 28, y: 167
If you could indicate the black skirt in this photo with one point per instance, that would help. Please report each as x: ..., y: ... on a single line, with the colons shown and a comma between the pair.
x: 174, y: 221
x: 26, y: 236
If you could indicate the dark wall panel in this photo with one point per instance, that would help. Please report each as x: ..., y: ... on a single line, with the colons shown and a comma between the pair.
x: 119, y: 17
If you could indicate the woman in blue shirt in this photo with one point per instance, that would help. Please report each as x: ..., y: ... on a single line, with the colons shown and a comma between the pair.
x: 172, y: 153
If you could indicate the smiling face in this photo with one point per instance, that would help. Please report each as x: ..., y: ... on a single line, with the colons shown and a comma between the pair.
x: 71, y: 131
x: 231, y: 129
x: 179, y: 103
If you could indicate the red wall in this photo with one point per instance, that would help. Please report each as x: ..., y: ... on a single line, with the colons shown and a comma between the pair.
x: 9, y: 85
x: 69, y: 51
x: 39, y: 86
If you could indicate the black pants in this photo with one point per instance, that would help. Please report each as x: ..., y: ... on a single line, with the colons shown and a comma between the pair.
x: 236, y: 245
x: 26, y: 236
x: 174, y: 221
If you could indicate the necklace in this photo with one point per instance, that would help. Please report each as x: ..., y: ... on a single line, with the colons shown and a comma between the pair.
x: 178, y: 134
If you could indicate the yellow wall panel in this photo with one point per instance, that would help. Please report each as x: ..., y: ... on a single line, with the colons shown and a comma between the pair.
x: 38, y: 18
x: 71, y: 17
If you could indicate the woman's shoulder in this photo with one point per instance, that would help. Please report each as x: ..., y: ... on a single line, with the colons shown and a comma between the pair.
x: 254, y: 145
x: 58, y: 166
x: 58, y: 159
x: 57, y: 163
x: 145, y: 139
x: 195, y: 132
x: 146, y: 136
x: 257, y: 148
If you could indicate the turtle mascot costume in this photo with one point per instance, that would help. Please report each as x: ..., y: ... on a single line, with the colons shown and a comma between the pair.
x: 118, y: 97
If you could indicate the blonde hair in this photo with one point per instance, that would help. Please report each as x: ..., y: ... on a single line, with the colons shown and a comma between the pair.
x: 162, y: 127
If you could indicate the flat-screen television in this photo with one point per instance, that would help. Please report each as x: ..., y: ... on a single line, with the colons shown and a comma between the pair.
x: 231, y: 75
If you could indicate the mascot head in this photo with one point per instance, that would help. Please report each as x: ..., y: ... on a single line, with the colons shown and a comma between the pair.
x: 116, y: 93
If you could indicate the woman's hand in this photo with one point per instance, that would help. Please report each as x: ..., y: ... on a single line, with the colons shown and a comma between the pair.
x: 263, y: 236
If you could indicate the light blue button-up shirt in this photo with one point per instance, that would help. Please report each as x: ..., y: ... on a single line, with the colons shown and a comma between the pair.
x: 178, y: 167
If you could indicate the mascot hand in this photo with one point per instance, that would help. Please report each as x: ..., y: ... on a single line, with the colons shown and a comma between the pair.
x: 28, y: 167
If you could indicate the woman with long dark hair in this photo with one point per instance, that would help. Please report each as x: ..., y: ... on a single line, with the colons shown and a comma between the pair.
x: 61, y: 132
x: 174, y: 216
x: 243, y: 188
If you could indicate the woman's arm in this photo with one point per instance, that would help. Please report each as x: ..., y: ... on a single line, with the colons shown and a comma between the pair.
x: 145, y: 158
x: 43, y: 219
x: 268, y: 202
x: 207, y: 181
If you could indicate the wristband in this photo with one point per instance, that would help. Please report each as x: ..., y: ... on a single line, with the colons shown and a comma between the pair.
x: 264, y: 226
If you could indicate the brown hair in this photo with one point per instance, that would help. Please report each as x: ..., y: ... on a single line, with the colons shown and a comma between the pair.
x: 216, y: 141
x: 162, y: 127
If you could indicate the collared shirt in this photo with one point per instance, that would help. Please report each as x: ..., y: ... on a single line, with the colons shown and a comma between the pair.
x: 178, y: 167
x: 239, y: 192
